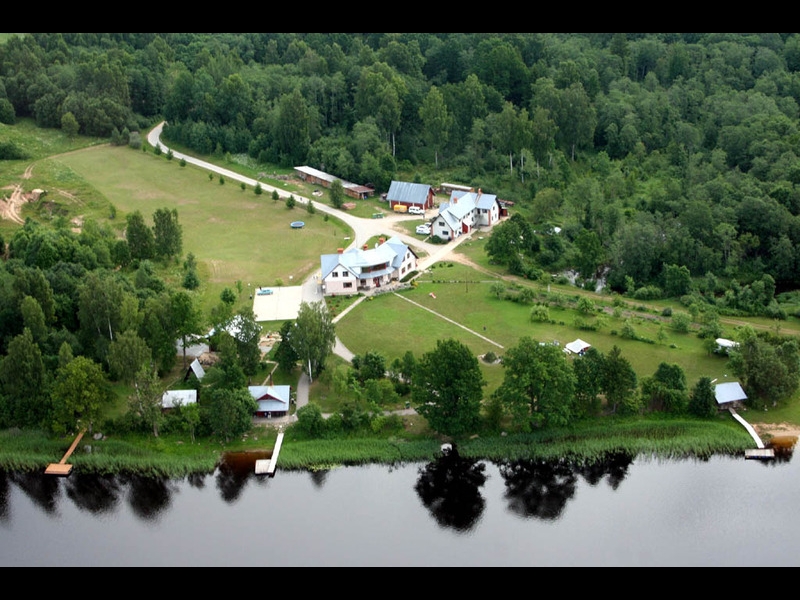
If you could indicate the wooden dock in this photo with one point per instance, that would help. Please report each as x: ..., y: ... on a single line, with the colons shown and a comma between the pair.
x: 267, y: 467
x: 760, y: 452
x: 63, y: 469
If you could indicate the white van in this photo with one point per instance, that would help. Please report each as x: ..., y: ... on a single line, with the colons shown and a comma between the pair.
x: 416, y: 210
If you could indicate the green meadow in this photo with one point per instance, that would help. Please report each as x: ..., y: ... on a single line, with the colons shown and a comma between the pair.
x: 235, y: 234
x: 461, y: 296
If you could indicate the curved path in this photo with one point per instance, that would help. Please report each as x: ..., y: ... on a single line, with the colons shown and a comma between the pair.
x: 363, y: 229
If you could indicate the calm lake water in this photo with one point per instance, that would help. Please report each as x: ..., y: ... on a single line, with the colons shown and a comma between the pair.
x: 725, y: 511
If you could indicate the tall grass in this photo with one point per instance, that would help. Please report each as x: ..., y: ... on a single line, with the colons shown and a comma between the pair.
x: 311, y: 454
x: 672, y: 438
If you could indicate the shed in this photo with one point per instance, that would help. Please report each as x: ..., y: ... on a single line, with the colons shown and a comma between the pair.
x: 318, y: 177
x: 578, y: 347
x: 174, y: 398
x: 729, y: 394
x: 410, y: 194
x: 272, y: 400
x: 195, y: 369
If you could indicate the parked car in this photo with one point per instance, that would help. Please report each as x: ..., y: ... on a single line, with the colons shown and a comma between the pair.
x: 264, y: 292
x: 424, y: 229
x: 416, y: 210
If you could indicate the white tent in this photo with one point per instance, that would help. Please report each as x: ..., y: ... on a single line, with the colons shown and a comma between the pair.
x: 578, y: 346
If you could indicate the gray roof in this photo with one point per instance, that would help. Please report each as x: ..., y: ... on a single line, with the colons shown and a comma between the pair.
x: 729, y: 392
x: 197, y: 369
x: 408, y: 193
x: 462, y: 203
x: 391, y: 252
x: 271, y: 397
x: 173, y: 398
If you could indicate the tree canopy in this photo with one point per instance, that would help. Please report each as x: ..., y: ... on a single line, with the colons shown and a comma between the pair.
x: 447, y: 388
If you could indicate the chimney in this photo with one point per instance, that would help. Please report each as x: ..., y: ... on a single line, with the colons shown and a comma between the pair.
x: 366, y: 247
x: 340, y: 250
x: 381, y: 241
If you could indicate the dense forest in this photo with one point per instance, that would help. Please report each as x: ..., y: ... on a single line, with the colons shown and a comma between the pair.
x: 661, y: 165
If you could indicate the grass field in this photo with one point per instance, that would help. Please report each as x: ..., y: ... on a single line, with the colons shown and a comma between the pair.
x: 405, y: 326
x: 235, y: 234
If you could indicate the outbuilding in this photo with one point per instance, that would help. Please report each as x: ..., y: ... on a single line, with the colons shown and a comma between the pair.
x: 578, y: 347
x: 317, y: 177
x: 405, y: 194
x: 195, y: 369
x: 724, y: 346
x: 174, y: 398
x: 272, y: 400
x: 729, y: 395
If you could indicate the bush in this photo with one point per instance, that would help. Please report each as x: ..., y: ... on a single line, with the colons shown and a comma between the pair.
x: 10, y: 151
x: 191, y: 281
x: 7, y: 114
x: 681, y: 322
x: 135, y: 140
x: 540, y: 313
x: 649, y: 292
x: 667, y: 312
x: 489, y: 357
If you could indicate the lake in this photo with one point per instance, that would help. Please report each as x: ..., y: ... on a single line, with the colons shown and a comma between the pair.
x: 724, y: 511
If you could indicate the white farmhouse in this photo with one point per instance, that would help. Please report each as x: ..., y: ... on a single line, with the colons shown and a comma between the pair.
x: 464, y: 212
x: 360, y: 270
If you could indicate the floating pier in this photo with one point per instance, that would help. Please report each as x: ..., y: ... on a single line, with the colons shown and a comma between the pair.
x: 267, y: 467
x: 760, y: 453
x: 63, y: 469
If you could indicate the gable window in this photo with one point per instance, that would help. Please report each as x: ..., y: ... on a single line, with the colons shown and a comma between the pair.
x: 335, y: 274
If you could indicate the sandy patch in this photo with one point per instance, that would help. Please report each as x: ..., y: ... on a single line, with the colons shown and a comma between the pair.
x: 774, y: 430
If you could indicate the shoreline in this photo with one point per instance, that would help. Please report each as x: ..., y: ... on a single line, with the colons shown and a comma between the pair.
x: 679, y: 438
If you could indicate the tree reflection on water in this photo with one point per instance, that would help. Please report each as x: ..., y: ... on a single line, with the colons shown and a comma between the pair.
x: 542, y: 488
x: 3, y: 496
x: 450, y: 489
x: 97, y: 494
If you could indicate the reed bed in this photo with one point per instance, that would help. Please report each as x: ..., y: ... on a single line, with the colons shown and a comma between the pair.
x: 586, y: 443
x: 315, y: 454
x: 663, y: 439
x: 32, y: 451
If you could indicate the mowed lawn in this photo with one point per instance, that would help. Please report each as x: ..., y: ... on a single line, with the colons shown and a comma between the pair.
x: 235, y: 234
x: 405, y: 326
